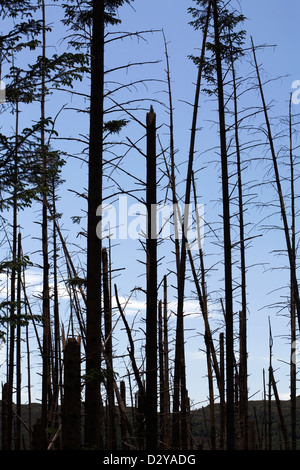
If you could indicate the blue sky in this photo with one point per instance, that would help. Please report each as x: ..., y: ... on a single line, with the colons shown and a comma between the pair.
x: 269, y: 22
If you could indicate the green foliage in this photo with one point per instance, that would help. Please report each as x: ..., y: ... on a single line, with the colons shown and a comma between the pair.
x: 25, y: 185
x: 14, y: 41
x: 100, y: 376
x: 21, y: 320
x: 76, y: 219
x: 76, y: 282
x: 14, y: 8
x: 231, y: 41
x: 19, y: 263
x: 115, y: 126
x: 78, y: 16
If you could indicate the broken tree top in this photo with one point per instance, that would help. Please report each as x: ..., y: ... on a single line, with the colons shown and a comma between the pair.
x: 151, y: 116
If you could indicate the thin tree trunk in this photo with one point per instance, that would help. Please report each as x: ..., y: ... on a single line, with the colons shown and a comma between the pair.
x: 57, y: 349
x: 46, y: 296
x: 166, y: 391
x: 71, y: 425
x: 4, y: 416
x: 124, y: 443
x: 270, y: 392
x: 151, y: 309
x: 211, y: 395
x: 265, y: 425
x: 243, y: 314
x: 280, y: 195
x: 179, y: 425
x: 18, y: 351
x: 161, y: 376
x: 227, y: 243
x: 29, y: 387
x: 94, y: 243
x: 110, y: 427
x: 222, y: 394
x: 292, y: 307
x: 12, y: 325
x: 281, y: 418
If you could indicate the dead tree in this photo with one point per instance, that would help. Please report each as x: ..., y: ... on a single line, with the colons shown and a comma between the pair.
x: 243, y: 379
x: 283, y: 213
x: 151, y: 302
x: 292, y: 289
x: 110, y: 425
x: 4, y: 420
x: 123, y: 428
x: 71, y: 423
x: 230, y: 424
x: 94, y: 243
x: 18, y: 351
x: 179, y: 423
x: 45, y: 254
x: 278, y: 404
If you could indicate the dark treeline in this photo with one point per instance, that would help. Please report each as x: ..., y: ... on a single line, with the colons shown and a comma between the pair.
x: 91, y: 396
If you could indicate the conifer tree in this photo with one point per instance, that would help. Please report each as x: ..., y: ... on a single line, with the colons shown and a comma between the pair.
x: 225, y: 46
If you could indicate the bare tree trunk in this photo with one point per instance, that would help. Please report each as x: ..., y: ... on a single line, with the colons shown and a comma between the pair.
x: 57, y: 349
x: 270, y: 392
x: 18, y: 351
x: 12, y: 325
x: 166, y: 391
x: 243, y: 314
x: 110, y: 427
x: 151, y: 309
x: 265, y: 425
x: 29, y: 387
x: 227, y: 243
x: 179, y: 424
x: 161, y: 377
x: 281, y: 418
x: 211, y: 395
x: 292, y: 307
x: 46, y: 297
x: 93, y: 314
x: 4, y: 417
x: 222, y: 394
x: 71, y: 425
x: 280, y: 195
x: 124, y: 443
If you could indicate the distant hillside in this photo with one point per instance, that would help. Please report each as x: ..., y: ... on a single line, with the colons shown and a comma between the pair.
x: 201, y: 427
x: 257, y: 426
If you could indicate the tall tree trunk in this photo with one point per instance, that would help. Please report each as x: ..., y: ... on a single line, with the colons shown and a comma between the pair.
x: 4, y: 416
x: 18, y: 351
x: 12, y: 325
x: 57, y: 350
x: 71, y: 424
x: 46, y: 296
x: 110, y: 425
x: 179, y: 424
x: 243, y: 313
x: 293, y: 272
x: 227, y: 242
x: 292, y: 305
x: 166, y: 392
x: 222, y: 394
x: 161, y: 375
x: 94, y: 243
x: 151, y: 308
x: 211, y: 394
